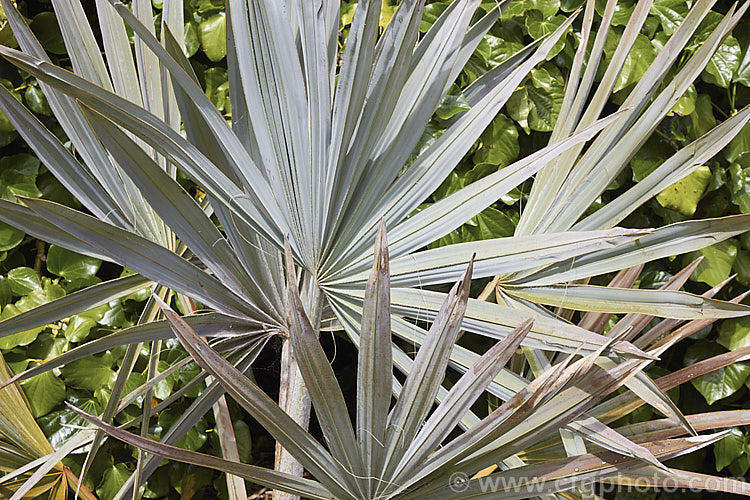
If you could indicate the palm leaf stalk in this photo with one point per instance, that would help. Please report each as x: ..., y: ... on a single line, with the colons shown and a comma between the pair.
x: 319, y: 154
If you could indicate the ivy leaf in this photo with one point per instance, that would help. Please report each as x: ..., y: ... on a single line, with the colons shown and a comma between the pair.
x: 217, y: 87
x: 90, y: 373
x: 647, y: 158
x: 163, y: 389
x: 113, y: 479
x: 742, y: 75
x: 740, y: 186
x: 451, y: 105
x: 347, y: 15
x: 19, y: 338
x: 244, y: 441
x: 720, y: 383
x: 60, y: 425
x: 45, y: 392
x: 37, y: 101
x: 14, y: 183
x: 623, y: 11
x: 539, y: 26
x: 490, y: 223
x: 386, y: 13
x: 685, y: 105
x: 739, y: 467
x: 735, y: 333
x: 23, y: 163
x: 47, y: 31
x: 499, y: 143
x: 195, y: 437
x: 78, y: 328
x: 717, y: 263
x: 723, y: 64
x: 702, y: 119
x: 742, y: 267
x: 49, y: 291
x: 519, y: 8
x: 519, y: 108
x: 10, y: 237
x: 738, y: 146
x: 637, y: 61
x: 23, y: 280
x: 683, y: 196
x: 729, y: 448
x: 192, y: 42
x: 671, y: 13
x: 212, y: 33
x: 71, y: 265
x: 5, y: 125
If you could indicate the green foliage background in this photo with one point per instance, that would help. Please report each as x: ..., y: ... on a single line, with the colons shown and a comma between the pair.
x: 32, y: 272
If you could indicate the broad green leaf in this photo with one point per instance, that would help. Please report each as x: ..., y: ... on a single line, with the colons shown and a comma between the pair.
x: 244, y: 440
x: 113, y: 477
x: 648, y: 158
x: 15, y: 183
x: 737, y: 146
x: 430, y: 15
x: 683, y: 196
x: 538, y: 102
x: 192, y: 42
x: 499, y: 143
x: 37, y: 101
x: 538, y: 27
x: 78, y: 328
x: 742, y: 267
x: 195, y: 438
x: 23, y: 163
x: 720, y: 383
x: 546, y: 7
x: 671, y: 13
x: 45, y: 27
x: 212, y: 33
x: 723, y: 63
x: 386, y: 13
x: 717, y: 262
x: 23, y: 280
x: 450, y: 105
x: 702, y: 120
x: 10, y: 237
x: 217, y: 87
x: 636, y: 63
x: 519, y: 107
x: 91, y: 373
x: 6, y: 127
x: 735, y: 333
x: 729, y: 448
x: 491, y: 223
x: 740, y: 186
x: 742, y: 74
x: 19, y: 338
x: 71, y: 265
x: 45, y: 392
x: 686, y: 105
x: 163, y: 389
